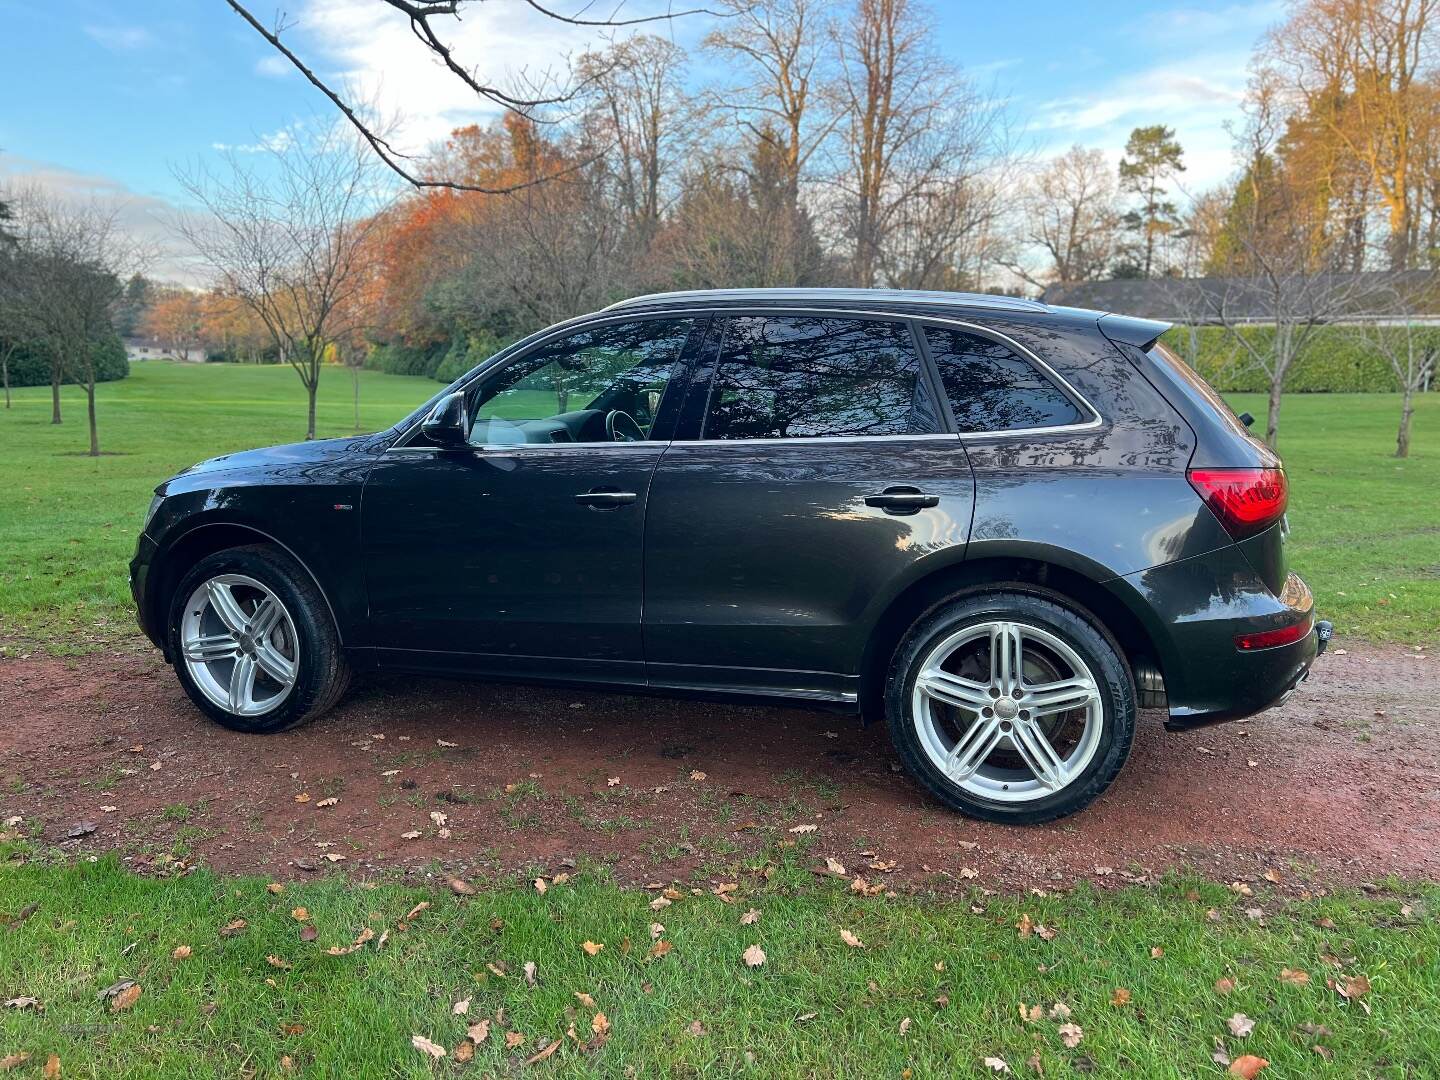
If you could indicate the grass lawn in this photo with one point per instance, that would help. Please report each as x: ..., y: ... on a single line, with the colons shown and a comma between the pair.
x: 1366, y: 526
x: 937, y: 987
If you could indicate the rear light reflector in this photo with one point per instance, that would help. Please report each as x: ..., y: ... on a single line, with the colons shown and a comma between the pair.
x: 1247, y: 501
x: 1272, y: 639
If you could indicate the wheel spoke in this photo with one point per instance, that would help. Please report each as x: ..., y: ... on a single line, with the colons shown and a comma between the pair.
x: 211, y: 647
x: 222, y: 599
x: 274, y: 664
x: 267, y: 614
x: 1040, y: 757
x: 1059, y: 696
x: 242, y: 684
x: 1006, y: 650
x: 972, y: 748
x: 941, y: 686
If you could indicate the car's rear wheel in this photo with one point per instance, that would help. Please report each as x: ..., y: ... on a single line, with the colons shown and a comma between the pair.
x: 253, y: 641
x: 1011, y: 706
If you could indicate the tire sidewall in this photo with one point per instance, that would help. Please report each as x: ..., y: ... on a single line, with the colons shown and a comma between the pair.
x: 283, y: 577
x: 1078, y: 630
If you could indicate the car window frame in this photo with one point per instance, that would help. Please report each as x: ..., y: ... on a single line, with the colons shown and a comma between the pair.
x: 666, y: 416
x: 697, y: 407
x: 1091, y: 417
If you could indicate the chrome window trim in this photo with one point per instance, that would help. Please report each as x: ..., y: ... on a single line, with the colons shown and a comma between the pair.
x: 1095, y: 422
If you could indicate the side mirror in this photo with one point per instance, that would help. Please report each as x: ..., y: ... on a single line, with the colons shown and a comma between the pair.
x: 447, y: 425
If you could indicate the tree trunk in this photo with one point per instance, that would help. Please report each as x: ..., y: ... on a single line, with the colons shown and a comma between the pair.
x: 311, y: 388
x: 355, y: 381
x: 1272, y: 415
x: 1407, y: 408
x: 54, y: 394
x: 90, y: 408
x: 5, y: 371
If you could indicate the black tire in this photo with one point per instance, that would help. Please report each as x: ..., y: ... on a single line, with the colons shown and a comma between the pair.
x: 1074, y: 626
x: 322, y: 676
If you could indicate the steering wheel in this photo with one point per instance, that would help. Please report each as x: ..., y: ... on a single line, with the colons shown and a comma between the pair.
x: 620, y: 426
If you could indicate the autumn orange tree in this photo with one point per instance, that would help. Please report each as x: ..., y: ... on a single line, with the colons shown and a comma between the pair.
x: 177, y: 320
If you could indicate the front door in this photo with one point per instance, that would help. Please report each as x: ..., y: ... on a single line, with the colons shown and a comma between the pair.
x: 522, y: 553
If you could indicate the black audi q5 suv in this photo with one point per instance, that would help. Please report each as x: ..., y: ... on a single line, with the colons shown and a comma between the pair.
x: 1003, y: 526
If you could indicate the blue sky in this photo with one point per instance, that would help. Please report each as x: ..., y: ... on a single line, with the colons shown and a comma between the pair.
x: 108, y: 96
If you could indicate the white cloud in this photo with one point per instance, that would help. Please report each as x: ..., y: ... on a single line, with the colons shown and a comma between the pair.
x: 119, y: 38
x: 274, y: 66
x: 276, y: 141
x: 144, y: 217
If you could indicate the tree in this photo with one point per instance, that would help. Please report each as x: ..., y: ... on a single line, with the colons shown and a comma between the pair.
x: 1396, y: 337
x: 286, y: 240
x: 1071, y: 214
x: 177, y: 321
x: 73, y: 257
x: 1152, y: 158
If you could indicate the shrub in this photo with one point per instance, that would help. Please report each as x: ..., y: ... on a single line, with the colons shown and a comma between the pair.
x: 397, y: 358
x: 31, y: 367
x: 1336, y: 359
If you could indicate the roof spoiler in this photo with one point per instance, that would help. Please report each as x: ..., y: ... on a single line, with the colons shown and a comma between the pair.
x: 1128, y: 330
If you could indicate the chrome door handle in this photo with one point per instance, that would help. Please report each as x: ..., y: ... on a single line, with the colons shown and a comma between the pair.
x: 606, y: 500
x: 902, y: 500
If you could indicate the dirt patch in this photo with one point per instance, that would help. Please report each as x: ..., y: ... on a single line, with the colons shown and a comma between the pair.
x: 1340, y: 785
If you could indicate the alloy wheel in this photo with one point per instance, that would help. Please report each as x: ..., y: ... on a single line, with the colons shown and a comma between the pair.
x: 1007, y: 711
x: 239, y: 645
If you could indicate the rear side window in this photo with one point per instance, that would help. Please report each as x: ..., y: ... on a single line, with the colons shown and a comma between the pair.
x: 811, y: 376
x: 992, y: 388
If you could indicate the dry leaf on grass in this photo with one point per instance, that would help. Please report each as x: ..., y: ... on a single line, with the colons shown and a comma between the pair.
x: 51, y: 1071
x: 308, y: 933
x: 359, y: 943
x: 585, y: 999
x: 659, y: 949
x: 464, y: 1051
x: 696, y: 774
x: 851, y: 940
x: 303, y: 797
x: 513, y: 1039
x: 1293, y: 977
x: 613, y: 781
x: 416, y: 910
x: 540, y: 886
x: 443, y: 742
x: 332, y: 801
x: 1120, y: 996
x: 13, y: 1061
x: 413, y: 834
x: 1059, y: 1011
x: 330, y: 856
x: 233, y: 927
x: 23, y: 1003
x: 754, y: 956
x: 835, y: 867
x: 125, y: 998
x: 750, y: 918
x: 1156, y: 953
x: 274, y: 888
x: 300, y: 914
x: 905, y: 1026
x: 530, y: 972
x: 460, y: 1008
x: 1224, y: 986
x: 425, y: 1046
x: 592, y: 948
x: 277, y: 962
x: 181, y: 952
x: 1071, y: 1034
x: 478, y: 1032
x: 1240, y: 1025
x: 461, y: 887
x: 600, y: 1024
x: 1247, y: 1066
x: 803, y: 828
x: 543, y: 1054
x: 995, y: 1064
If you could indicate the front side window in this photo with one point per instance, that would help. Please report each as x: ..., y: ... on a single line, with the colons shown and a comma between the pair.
x: 600, y: 384
x: 991, y: 388
x: 793, y: 376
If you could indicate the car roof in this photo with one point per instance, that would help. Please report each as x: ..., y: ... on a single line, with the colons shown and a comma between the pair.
x: 877, y: 297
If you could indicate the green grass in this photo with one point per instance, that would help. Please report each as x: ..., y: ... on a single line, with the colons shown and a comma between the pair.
x: 817, y: 1007
x: 1366, y: 526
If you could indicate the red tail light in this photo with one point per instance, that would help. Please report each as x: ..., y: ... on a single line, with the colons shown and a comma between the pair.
x: 1270, y: 639
x: 1247, y: 501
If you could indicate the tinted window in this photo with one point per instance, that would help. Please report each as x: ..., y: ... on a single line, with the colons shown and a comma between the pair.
x: 564, y: 390
x: 798, y: 376
x: 991, y: 388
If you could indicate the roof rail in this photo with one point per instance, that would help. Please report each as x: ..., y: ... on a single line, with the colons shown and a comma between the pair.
x: 914, y: 296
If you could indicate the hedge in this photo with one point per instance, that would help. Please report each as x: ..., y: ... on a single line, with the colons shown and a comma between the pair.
x: 31, y: 367
x: 444, y: 361
x: 1336, y: 359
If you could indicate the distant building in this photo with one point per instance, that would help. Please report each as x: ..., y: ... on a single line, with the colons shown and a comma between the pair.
x: 1384, y: 296
x: 146, y: 348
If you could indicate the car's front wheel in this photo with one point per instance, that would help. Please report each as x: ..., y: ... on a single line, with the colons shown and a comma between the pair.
x: 1010, y: 706
x: 253, y: 641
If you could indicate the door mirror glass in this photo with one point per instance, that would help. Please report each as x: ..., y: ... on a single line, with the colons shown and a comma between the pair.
x: 447, y: 424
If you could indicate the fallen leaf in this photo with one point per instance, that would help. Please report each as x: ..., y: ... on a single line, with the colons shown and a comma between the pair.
x: 1026, y: 925
x: 659, y: 949
x: 464, y: 1051
x: 851, y: 940
x: 23, y: 1003
x: 657, y: 931
x: 513, y: 1039
x: 460, y: 1008
x: 585, y: 999
x: 13, y: 1061
x: 125, y: 998
x: 540, y: 887
x: 277, y: 962
x: 51, y: 1071
x: 1120, y: 996
x: 308, y: 933
x: 274, y: 888
x: 1247, y: 1066
x: 303, y: 797
x: 1354, y: 987
x: 1224, y: 986
x: 754, y: 956
x: 479, y: 1031
x: 1156, y: 953
x: 750, y: 918
x: 109, y: 809
x: 1294, y: 978
x: 613, y: 781
x: 413, y: 834
x: 461, y: 887
x: 81, y: 828
x: 181, y: 952
x: 425, y: 1046
x: 543, y: 1054
x: 416, y: 910
x: 330, y: 856
x: 803, y: 828
x: 1241, y: 888
x: 529, y: 968
x: 835, y: 867
x: 233, y: 928
x: 438, y: 817
x: 1059, y: 1011
x: 591, y: 947
x: 696, y: 774
x: 332, y: 801
x: 1272, y: 876
x: 600, y: 1024
x: 696, y: 1029
x: 1071, y: 1034
x: 442, y: 742
x: 300, y: 914
x: 995, y: 1064
x: 1240, y: 1025
x: 905, y: 1026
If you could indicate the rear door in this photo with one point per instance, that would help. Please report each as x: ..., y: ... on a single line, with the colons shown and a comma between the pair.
x: 814, y: 468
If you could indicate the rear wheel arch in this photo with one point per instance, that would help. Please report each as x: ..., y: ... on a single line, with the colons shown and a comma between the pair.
x: 1062, y: 584
x: 204, y: 540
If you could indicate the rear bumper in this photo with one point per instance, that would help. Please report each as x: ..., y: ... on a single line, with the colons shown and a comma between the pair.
x: 1203, y: 604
